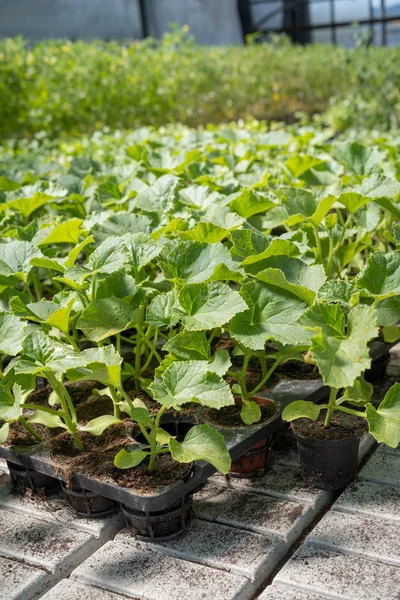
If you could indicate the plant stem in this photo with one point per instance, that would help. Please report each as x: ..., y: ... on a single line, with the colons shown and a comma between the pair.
x: 51, y: 411
x: 242, y: 378
x: 151, y: 354
x: 318, y: 242
x: 263, y: 363
x: 118, y: 342
x: 265, y: 378
x: 94, y: 286
x: 66, y: 404
x: 153, y: 440
x: 72, y: 342
x: 331, y: 407
x: 115, y: 400
x: 30, y: 429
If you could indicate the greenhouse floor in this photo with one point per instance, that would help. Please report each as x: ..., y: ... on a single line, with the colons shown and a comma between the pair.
x: 267, y: 538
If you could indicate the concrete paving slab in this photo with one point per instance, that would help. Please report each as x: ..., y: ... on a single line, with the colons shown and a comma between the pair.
x: 368, y: 537
x: 281, y: 481
x: 249, y: 554
x: 285, y: 450
x: 139, y: 572
x: 383, y: 449
x: 278, y: 591
x: 69, y: 589
x: 53, y: 547
x: 56, y: 509
x: 382, y: 468
x: 21, y: 582
x: 370, y: 499
x: 253, y: 512
x: 338, y: 575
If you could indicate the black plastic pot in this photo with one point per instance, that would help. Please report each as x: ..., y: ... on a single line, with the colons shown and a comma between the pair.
x: 24, y: 478
x: 88, y: 504
x: 328, y: 464
x: 159, y: 526
x: 378, y: 368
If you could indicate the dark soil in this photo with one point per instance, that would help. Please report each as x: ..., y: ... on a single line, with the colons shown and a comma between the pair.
x: 93, y: 407
x: 342, y: 426
x: 166, y: 472
x: 294, y: 369
x: 229, y: 416
x: 253, y: 378
x: 20, y: 437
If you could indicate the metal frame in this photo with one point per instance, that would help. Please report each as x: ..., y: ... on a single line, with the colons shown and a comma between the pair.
x: 300, y: 28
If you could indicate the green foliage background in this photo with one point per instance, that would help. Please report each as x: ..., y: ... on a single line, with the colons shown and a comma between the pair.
x: 60, y: 86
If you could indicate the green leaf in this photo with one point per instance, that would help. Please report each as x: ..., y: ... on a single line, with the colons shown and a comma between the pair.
x: 118, y: 285
x: 295, y: 276
x: 141, y: 249
x: 388, y: 311
x: 98, y: 425
x: 391, y: 334
x: 329, y: 319
x: 99, y: 364
x: 384, y: 422
x: 220, y: 362
x: 381, y: 274
x: 127, y: 460
x: 12, y: 333
x: 358, y: 394
x: 302, y: 205
x: 41, y: 353
x: 163, y: 310
x: 66, y: 232
x: 45, y: 311
x: 191, y: 381
x: 27, y: 206
x: 341, y: 359
x: 299, y: 164
x: 105, y: 317
x: 358, y: 158
x: 300, y: 409
x: 159, y: 197
x: 250, y: 412
x: 4, y: 431
x: 202, y: 442
x: 337, y: 290
x: 16, y: 257
x: 189, y: 345
x: 140, y: 415
x: 272, y: 315
x: 249, y: 202
x: 163, y: 437
x: 109, y: 257
x: 246, y: 242
x: 46, y: 419
x: 205, y: 232
x: 278, y: 247
x: 209, y: 305
x: 193, y: 262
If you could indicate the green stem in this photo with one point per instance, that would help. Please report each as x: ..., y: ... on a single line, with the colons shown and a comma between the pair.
x: 318, y: 242
x: 30, y: 429
x: 331, y: 407
x: 265, y: 378
x: 351, y: 411
x: 27, y: 289
x: 125, y: 396
x: 118, y: 343
x: 263, y: 363
x: 115, y: 400
x: 147, y: 342
x: 94, y: 286
x: 242, y: 378
x: 150, y: 356
x: 51, y: 411
x: 72, y: 342
x: 69, y: 417
x: 153, y: 440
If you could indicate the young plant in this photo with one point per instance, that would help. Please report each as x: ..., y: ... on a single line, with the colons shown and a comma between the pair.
x: 340, y: 350
x: 176, y: 384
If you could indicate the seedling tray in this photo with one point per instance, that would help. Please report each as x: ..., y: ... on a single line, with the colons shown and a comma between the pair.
x: 238, y: 440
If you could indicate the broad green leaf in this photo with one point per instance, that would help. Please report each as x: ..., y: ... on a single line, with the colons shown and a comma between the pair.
x: 278, y: 247
x: 105, y: 317
x: 42, y: 353
x: 337, y: 290
x: 140, y: 415
x: 98, y: 425
x: 45, y: 311
x: 163, y: 437
x: 272, y: 315
x: 384, y: 422
x: 293, y: 275
x: 109, y: 257
x: 381, y: 275
x: 141, y: 249
x: 162, y: 310
x: 246, y: 242
x: 302, y: 205
x: 209, y: 305
x: 117, y: 224
x: 17, y: 256
x: 391, y: 334
x: 249, y: 202
x: 378, y: 186
x: 189, y: 345
x: 353, y: 201
x: 191, y: 381
x: 99, y: 364
x: 202, y: 442
x: 46, y: 419
x: 205, y: 232
x: 299, y: 164
x: 75, y: 252
x: 8, y: 185
x: 342, y: 359
x: 118, y: 285
x: 27, y: 206
x: 250, y: 412
x: 358, y: 394
x: 358, y: 158
x: 193, y: 262
x: 329, y: 319
x: 66, y: 232
x: 159, y: 197
x: 128, y: 460
x: 12, y: 334
x: 220, y: 362
x: 300, y: 409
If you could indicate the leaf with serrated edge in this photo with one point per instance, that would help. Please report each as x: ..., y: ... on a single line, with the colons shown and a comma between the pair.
x: 384, y: 421
x: 105, y: 317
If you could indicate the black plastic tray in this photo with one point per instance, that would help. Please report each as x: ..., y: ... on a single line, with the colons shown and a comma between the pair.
x: 238, y: 439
